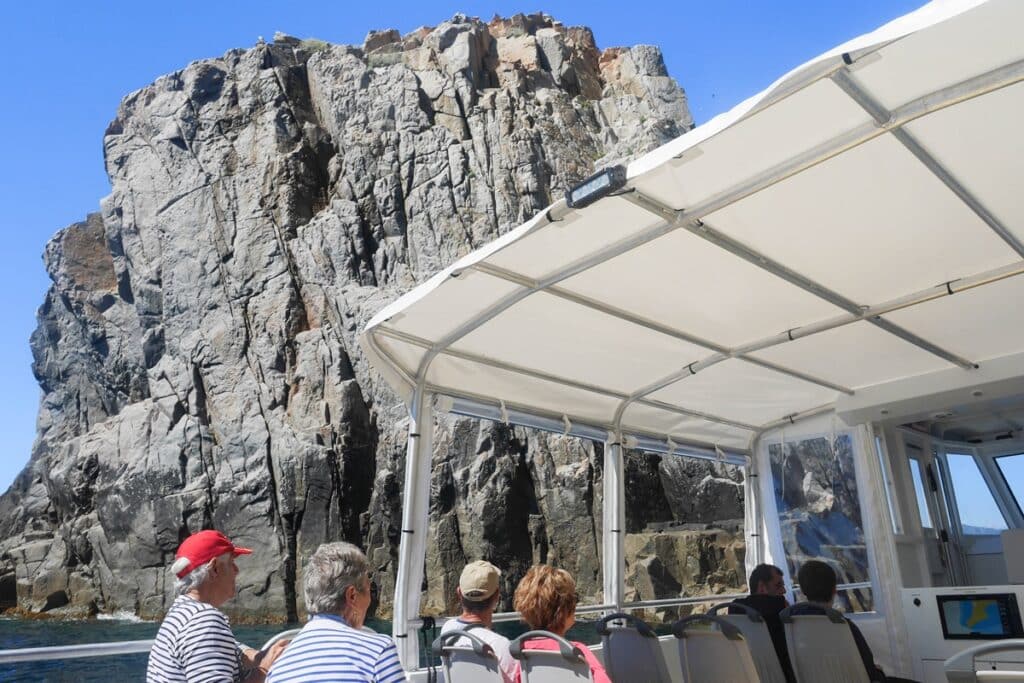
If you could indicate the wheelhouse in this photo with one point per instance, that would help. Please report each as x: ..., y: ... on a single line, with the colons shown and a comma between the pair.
x: 823, y: 283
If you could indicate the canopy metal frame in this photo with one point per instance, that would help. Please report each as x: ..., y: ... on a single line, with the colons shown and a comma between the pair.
x: 693, y: 220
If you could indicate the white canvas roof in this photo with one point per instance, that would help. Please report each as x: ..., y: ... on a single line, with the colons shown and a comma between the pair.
x: 800, y: 248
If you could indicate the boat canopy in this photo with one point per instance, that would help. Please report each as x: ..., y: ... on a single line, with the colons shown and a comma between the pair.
x: 857, y: 226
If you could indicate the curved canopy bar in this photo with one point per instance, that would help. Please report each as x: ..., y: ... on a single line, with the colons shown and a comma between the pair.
x: 800, y: 249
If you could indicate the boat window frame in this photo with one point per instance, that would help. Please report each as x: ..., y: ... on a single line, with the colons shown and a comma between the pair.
x: 927, y: 450
x: 1002, y: 473
x: 885, y: 468
x: 920, y: 506
x: 949, y: 449
x: 986, y: 456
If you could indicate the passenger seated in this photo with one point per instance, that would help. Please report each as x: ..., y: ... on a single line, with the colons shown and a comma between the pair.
x: 818, y: 584
x: 768, y: 597
x: 546, y: 597
x: 195, y: 640
x: 479, y: 595
x: 334, y: 645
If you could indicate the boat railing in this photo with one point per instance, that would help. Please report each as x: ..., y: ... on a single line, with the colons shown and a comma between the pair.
x: 500, y: 617
x: 128, y: 647
x: 39, y: 654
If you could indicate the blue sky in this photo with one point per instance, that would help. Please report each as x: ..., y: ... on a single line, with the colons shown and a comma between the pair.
x: 67, y: 65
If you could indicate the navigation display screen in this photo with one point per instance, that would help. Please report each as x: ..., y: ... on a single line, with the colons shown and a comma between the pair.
x: 979, y: 617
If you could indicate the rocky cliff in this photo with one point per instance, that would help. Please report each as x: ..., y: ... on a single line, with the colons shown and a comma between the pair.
x: 197, y: 350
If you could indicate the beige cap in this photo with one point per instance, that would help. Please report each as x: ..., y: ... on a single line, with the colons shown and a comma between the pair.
x: 479, y: 580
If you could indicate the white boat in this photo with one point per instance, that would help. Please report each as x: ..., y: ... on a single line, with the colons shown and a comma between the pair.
x: 837, y: 258
x: 833, y: 264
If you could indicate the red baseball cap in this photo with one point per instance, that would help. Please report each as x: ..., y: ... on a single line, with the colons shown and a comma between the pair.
x: 201, y: 547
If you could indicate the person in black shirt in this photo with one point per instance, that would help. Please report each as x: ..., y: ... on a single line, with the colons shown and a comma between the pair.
x: 768, y: 598
x: 818, y: 584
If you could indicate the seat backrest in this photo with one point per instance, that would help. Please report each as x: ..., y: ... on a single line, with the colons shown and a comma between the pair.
x: 963, y: 667
x: 564, y: 665
x: 631, y: 649
x: 712, y: 649
x: 754, y: 630
x: 821, y: 646
x: 466, y: 658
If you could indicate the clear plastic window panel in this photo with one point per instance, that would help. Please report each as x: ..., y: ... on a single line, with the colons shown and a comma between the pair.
x: 684, y: 532
x: 819, y: 511
x: 979, y: 514
x: 514, y: 497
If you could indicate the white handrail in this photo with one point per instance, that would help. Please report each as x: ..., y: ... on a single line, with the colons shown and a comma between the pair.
x: 38, y: 654
x: 127, y: 647
x: 678, y: 602
x: 596, y: 609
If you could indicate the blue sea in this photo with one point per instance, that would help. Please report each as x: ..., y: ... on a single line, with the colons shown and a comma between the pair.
x: 17, y: 633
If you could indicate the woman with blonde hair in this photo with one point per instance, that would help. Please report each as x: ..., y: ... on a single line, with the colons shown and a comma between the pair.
x: 546, y: 597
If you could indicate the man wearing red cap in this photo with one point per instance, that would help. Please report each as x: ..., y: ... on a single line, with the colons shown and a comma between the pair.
x: 195, y: 642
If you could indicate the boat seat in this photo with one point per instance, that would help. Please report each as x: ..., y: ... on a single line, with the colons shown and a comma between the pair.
x: 711, y: 648
x: 962, y: 667
x: 564, y: 665
x: 466, y: 658
x: 821, y: 646
x: 759, y: 641
x: 631, y: 649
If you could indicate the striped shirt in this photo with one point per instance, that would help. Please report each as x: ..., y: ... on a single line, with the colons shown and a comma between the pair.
x: 194, y: 645
x: 328, y: 649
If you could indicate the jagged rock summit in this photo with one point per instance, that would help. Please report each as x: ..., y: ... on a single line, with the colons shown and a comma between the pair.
x: 197, y: 350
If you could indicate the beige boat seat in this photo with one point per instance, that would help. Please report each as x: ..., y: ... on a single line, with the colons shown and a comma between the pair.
x: 564, y: 665
x: 466, y: 658
x: 631, y: 649
x: 711, y: 648
x: 759, y: 641
x: 821, y: 646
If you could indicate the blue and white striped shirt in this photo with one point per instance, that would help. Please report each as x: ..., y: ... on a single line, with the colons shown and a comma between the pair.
x: 194, y: 643
x: 328, y: 649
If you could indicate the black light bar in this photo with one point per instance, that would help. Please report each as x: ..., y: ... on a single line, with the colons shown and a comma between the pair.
x: 596, y: 186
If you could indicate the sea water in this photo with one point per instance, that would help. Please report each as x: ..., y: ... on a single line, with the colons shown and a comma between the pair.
x: 18, y: 633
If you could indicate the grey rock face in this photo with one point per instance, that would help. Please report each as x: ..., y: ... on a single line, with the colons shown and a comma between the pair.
x: 197, y: 350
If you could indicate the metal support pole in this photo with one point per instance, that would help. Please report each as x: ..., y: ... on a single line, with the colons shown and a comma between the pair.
x: 412, y: 547
x: 613, y: 526
x: 753, y: 522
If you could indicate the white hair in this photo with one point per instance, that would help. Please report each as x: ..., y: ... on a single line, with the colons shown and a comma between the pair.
x: 195, y: 578
x: 332, y: 569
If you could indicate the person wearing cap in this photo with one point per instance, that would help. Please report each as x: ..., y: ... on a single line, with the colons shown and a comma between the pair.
x: 195, y: 642
x: 479, y: 595
x: 334, y: 645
